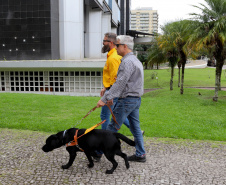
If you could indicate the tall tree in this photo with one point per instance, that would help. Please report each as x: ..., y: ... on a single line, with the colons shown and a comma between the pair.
x: 155, y: 54
x: 210, y: 32
x: 142, y: 53
x: 168, y: 48
x: 177, y: 34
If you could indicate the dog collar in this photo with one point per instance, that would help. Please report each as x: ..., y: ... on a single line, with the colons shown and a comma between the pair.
x: 63, y: 136
x: 64, y: 133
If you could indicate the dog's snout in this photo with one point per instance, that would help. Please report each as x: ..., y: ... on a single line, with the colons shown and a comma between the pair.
x: 44, y: 148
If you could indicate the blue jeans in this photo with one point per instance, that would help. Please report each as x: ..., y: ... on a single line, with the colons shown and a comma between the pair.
x: 105, y: 114
x: 129, y: 108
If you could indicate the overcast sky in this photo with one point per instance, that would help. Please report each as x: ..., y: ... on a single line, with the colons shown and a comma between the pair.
x: 170, y: 10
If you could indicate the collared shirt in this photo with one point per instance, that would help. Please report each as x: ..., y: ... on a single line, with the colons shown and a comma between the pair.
x: 111, y: 68
x: 130, y: 79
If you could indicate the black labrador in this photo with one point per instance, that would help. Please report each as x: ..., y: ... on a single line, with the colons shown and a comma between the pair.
x: 97, y: 139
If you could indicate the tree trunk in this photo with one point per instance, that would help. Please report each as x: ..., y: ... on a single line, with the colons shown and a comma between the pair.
x: 178, y: 76
x: 220, y: 57
x: 219, y: 66
x: 145, y: 65
x: 182, y: 79
x: 183, y: 62
x: 171, y: 80
x: 157, y: 65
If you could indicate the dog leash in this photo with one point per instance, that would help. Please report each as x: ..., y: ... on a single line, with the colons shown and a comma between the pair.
x: 94, y: 108
x: 78, y: 122
x: 113, y: 117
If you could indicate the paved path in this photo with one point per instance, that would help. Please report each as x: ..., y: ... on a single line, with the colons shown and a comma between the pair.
x: 173, y: 162
x: 194, y: 64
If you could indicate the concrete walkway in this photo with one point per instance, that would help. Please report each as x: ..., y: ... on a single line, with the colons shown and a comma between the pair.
x: 174, y: 162
x: 194, y: 64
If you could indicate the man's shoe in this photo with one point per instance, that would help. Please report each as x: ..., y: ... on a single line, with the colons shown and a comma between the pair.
x: 97, y: 158
x: 137, y: 159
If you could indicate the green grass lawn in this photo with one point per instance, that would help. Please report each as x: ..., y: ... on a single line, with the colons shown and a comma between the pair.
x: 163, y: 113
x: 193, y: 78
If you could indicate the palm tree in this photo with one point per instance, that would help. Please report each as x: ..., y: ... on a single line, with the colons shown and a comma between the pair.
x: 168, y: 48
x: 210, y: 32
x: 178, y: 32
x: 155, y: 54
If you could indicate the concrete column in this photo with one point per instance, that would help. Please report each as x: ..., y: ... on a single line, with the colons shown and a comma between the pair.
x: 106, y: 27
x: 114, y: 30
x: 55, y: 46
x: 93, y: 33
x: 71, y: 34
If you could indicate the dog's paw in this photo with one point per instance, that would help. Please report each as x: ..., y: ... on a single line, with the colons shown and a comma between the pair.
x: 127, y: 165
x: 109, y: 172
x: 65, y: 166
x: 90, y: 165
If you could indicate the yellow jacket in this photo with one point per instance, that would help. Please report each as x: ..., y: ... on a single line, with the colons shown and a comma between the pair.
x: 111, y: 68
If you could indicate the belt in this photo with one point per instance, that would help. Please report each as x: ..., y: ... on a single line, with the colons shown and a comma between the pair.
x: 130, y: 97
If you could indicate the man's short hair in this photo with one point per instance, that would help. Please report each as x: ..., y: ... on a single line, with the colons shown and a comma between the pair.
x: 125, y: 39
x: 111, y: 36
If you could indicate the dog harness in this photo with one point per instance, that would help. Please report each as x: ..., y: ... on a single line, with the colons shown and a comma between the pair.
x: 75, y: 141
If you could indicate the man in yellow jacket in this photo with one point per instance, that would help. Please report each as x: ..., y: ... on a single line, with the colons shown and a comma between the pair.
x: 110, y: 74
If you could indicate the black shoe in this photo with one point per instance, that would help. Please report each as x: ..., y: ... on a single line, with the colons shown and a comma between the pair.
x: 137, y: 159
x: 97, y: 158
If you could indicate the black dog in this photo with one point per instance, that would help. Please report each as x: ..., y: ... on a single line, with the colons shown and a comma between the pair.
x: 97, y: 139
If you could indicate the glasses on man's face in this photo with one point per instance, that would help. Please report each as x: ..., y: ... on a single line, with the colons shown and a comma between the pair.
x: 117, y: 45
x: 106, y: 41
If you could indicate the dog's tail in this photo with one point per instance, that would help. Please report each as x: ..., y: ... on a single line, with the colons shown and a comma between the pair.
x: 124, y: 138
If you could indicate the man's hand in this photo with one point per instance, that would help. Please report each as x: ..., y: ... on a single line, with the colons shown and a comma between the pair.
x: 102, y: 91
x: 100, y: 103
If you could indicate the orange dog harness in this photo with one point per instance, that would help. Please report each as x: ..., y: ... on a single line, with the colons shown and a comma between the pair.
x: 75, y: 141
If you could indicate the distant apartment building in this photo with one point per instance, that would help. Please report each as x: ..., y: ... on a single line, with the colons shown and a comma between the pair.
x: 54, y: 46
x: 144, y: 20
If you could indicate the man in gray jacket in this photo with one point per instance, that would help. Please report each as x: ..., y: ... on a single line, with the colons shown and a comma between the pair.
x: 129, y: 88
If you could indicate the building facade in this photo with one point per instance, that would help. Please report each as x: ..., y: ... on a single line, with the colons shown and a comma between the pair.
x: 54, y: 46
x: 144, y: 20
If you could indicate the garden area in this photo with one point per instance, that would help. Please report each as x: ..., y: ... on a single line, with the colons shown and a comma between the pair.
x: 164, y: 113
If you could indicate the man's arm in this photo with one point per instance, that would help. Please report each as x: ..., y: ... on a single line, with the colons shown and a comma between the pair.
x: 102, y: 91
x: 124, y: 72
x: 113, y: 69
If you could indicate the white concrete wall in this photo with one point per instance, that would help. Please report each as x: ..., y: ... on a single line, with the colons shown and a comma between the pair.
x: 81, y: 33
x: 94, y: 34
x: 106, y: 27
x: 114, y: 30
x: 71, y: 17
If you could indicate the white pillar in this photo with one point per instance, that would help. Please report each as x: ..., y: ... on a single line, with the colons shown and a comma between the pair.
x: 106, y: 27
x: 114, y: 30
x: 94, y: 37
x: 71, y: 17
